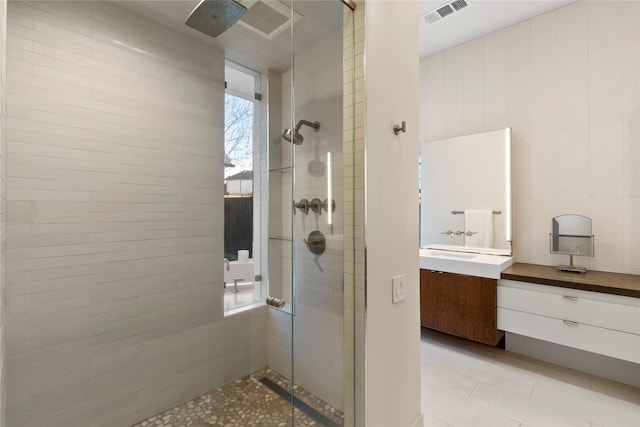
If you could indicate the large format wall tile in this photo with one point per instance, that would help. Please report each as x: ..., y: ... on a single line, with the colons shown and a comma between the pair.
x: 115, y: 219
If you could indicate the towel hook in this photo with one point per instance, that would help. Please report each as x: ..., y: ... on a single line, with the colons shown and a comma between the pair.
x: 397, y: 129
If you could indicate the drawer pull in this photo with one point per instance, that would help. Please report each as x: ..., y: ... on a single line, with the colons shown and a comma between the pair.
x: 570, y: 322
x: 570, y: 297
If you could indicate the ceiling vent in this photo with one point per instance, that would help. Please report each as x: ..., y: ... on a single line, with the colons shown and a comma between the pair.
x: 267, y: 18
x: 445, y: 10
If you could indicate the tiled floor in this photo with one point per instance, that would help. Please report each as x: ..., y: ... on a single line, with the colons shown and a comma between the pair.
x: 245, y: 402
x: 468, y: 384
x: 464, y: 384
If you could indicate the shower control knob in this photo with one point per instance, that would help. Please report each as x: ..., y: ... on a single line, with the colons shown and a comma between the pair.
x: 325, y: 205
x: 316, y: 242
x: 303, y: 205
x: 316, y: 205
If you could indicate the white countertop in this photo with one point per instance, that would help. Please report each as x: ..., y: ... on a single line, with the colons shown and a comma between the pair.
x: 468, y: 263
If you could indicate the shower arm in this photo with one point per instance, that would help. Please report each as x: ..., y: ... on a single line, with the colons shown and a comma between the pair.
x: 314, y: 125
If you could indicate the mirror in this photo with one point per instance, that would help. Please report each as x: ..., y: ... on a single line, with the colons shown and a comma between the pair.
x: 460, y: 175
x: 571, y: 235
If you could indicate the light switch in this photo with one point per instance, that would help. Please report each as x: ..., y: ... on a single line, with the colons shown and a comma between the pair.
x: 399, y: 288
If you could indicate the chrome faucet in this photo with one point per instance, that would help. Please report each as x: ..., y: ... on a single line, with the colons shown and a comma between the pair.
x: 227, y: 264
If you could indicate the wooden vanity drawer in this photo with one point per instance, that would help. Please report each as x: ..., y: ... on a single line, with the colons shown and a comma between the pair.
x: 620, y: 345
x: 601, y: 310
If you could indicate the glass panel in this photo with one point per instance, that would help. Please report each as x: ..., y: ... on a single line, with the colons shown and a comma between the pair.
x: 316, y: 135
x: 348, y: 119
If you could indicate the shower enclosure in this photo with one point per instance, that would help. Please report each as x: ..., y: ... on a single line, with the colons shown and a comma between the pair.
x: 306, y: 120
x: 307, y: 207
x: 115, y: 191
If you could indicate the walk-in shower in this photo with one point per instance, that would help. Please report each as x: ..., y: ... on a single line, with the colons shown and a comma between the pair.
x: 294, y: 136
x: 116, y: 311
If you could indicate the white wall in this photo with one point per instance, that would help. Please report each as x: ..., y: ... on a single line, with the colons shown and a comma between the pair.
x: 3, y: 207
x: 392, y: 331
x: 568, y: 83
x: 115, y: 219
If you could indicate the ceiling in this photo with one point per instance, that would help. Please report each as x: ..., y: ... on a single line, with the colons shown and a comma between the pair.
x: 242, y: 45
x: 481, y: 17
x: 322, y: 17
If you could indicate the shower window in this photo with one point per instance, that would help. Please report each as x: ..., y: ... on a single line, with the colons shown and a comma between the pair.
x: 241, y: 192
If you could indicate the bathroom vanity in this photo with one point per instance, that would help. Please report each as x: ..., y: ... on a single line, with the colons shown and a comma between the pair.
x: 459, y: 305
x: 459, y: 274
x: 458, y: 293
x: 598, y: 312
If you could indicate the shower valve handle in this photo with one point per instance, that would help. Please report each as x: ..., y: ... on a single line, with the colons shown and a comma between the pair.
x: 316, y: 205
x: 325, y: 205
x: 303, y: 205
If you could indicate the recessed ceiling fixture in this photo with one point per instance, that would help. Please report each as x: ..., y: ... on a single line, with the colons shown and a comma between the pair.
x: 268, y: 18
x: 445, y: 10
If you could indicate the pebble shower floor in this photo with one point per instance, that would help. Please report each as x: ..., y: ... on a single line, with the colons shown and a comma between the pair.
x: 245, y: 402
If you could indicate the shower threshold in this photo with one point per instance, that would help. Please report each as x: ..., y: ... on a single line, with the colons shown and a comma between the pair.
x: 261, y: 399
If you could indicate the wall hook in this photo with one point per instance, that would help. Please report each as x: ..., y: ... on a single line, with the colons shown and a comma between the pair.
x: 397, y: 129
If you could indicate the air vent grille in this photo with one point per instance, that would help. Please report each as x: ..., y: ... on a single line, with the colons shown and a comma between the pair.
x: 268, y: 18
x: 264, y: 18
x: 445, y: 10
x: 459, y: 4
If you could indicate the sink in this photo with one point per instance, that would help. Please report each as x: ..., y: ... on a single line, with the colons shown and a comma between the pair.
x: 445, y: 254
x: 470, y: 264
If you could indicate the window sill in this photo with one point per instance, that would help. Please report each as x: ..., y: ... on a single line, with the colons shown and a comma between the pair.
x: 248, y: 307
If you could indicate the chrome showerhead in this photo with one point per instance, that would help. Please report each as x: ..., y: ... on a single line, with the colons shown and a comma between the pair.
x: 294, y: 136
x: 214, y: 17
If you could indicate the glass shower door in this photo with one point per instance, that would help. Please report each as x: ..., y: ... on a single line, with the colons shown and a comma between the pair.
x: 309, y: 354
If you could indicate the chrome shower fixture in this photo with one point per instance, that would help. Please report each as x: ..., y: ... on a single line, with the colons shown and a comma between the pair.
x: 294, y: 136
x: 214, y: 17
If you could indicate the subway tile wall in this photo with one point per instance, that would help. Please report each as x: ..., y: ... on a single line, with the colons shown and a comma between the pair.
x: 3, y: 208
x: 568, y: 83
x: 114, y: 281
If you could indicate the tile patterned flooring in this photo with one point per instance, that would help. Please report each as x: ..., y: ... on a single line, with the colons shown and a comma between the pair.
x: 464, y: 384
x: 246, y: 402
x: 469, y: 384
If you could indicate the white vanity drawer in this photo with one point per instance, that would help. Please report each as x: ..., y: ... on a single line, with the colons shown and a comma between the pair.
x: 590, y: 308
x: 620, y: 345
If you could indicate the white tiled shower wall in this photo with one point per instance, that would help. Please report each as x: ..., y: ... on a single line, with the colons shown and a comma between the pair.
x: 3, y: 206
x: 568, y: 83
x: 115, y: 219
